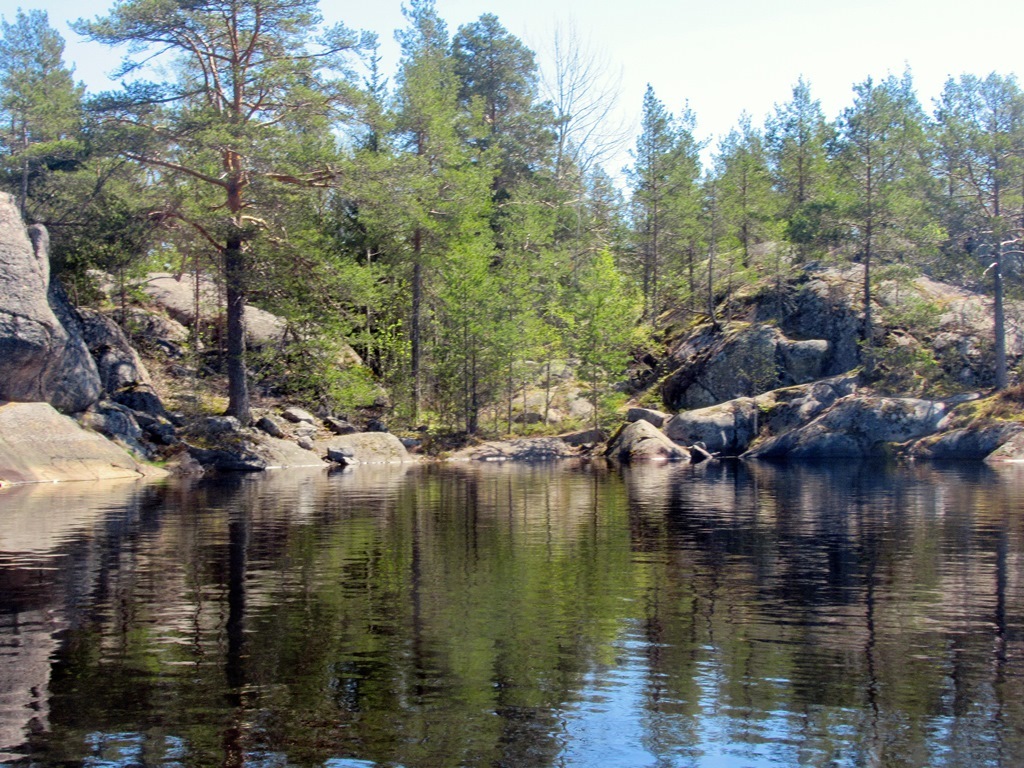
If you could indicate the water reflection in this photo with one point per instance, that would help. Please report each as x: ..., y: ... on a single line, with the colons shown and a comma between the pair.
x: 725, y: 614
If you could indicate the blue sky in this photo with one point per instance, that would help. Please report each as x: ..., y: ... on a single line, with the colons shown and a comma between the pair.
x: 721, y: 57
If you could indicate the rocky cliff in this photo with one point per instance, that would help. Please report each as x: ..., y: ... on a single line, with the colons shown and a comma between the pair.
x: 783, y: 376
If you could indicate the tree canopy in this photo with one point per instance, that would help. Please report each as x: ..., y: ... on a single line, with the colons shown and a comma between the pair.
x: 452, y: 221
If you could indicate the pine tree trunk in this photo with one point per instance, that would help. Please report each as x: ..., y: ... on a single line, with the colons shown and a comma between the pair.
x: 238, y: 387
x: 414, y: 325
x: 999, y: 322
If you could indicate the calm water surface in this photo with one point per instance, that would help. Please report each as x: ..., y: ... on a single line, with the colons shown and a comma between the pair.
x: 562, y: 615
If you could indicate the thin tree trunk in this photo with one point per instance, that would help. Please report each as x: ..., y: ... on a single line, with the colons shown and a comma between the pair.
x: 999, y: 320
x: 23, y: 203
x: 415, y: 322
x: 238, y: 387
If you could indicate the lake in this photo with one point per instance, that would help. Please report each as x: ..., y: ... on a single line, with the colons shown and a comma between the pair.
x: 568, y: 614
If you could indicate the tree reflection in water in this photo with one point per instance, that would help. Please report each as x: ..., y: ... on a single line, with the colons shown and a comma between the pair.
x: 568, y: 614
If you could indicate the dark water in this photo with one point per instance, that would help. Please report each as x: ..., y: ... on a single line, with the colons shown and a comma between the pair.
x: 568, y: 615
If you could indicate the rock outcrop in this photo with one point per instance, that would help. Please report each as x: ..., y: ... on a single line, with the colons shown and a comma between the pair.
x: 810, y: 327
x: 856, y: 427
x: 366, y: 448
x: 743, y: 362
x: 524, y: 449
x: 42, y: 355
x: 40, y: 445
x: 642, y: 441
x: 726, y: 429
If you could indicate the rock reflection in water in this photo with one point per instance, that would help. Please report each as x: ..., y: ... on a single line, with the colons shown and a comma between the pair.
x: 568, y: 614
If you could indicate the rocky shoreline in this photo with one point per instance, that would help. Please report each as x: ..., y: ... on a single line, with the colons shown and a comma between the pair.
x: 77, y: 401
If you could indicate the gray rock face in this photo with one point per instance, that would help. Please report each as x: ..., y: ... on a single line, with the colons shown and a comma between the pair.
x: 715, y: 368
x: 826, y: 309
x: 656, y: 418
x: 42, y: 359
x: 794, y: 406
x: 39, y: 445
x: 969, y: 443
x: 369, y: 448
x: 642, y: 441
x: 118, y: 363
x: 117, y: 423
x: 727, y: 428
x: 856, y: 427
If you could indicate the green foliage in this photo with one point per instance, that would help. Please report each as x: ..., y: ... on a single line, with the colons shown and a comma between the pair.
x: 318, y: 372
x: 456, y: 229
x: 905, y: 365
x: 602, y: 316
x: 40, y: 109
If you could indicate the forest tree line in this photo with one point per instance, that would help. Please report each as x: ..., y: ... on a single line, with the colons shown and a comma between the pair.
x: 453, y: 223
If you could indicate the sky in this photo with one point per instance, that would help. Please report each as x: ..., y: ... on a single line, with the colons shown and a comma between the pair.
x: 720, y: 57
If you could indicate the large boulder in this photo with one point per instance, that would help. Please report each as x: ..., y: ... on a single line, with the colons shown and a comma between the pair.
x: 118, y: 363
x: 656, y: 418
x: 855, y: 427
x: 973, y: 442
x: 177, y: 295
x: 727, y: 428
x: 253, y: 451
x: 40, y: 445
x: 42, y: 355
x: 524, y: 449
x: 642, y: 441
x: 368, y: 448
x: 742, y: 362
x: 785, y: 409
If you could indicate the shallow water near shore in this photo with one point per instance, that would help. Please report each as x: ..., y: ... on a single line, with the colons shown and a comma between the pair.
x: 562, y: 614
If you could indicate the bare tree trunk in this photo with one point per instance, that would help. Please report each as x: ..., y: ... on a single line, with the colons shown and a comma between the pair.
x: 238, y: 386
x: 415, y: 337
x: 999, y: 321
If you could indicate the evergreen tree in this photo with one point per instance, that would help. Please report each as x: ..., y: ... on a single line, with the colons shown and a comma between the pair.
x: 449, y: 178
x: 653, y: 180
x: 980, y: 129
x: 602, y: 316
x: 745, y: 188
x: 880, y: 156
x: 40, y: 104
x: 248, y: 77
x: 796, y: 139
x: 498, y: 77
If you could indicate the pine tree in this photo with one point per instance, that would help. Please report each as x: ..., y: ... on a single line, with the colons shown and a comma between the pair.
x: 796, y: 139
x: 40, y: 104
x: 747, y: 200
x: 249, y: 77
x: 652, y: 179
x: 880, y: 158
x: 980, y: 127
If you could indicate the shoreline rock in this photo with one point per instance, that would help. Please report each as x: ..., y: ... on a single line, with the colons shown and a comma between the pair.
x: 40, y: 445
